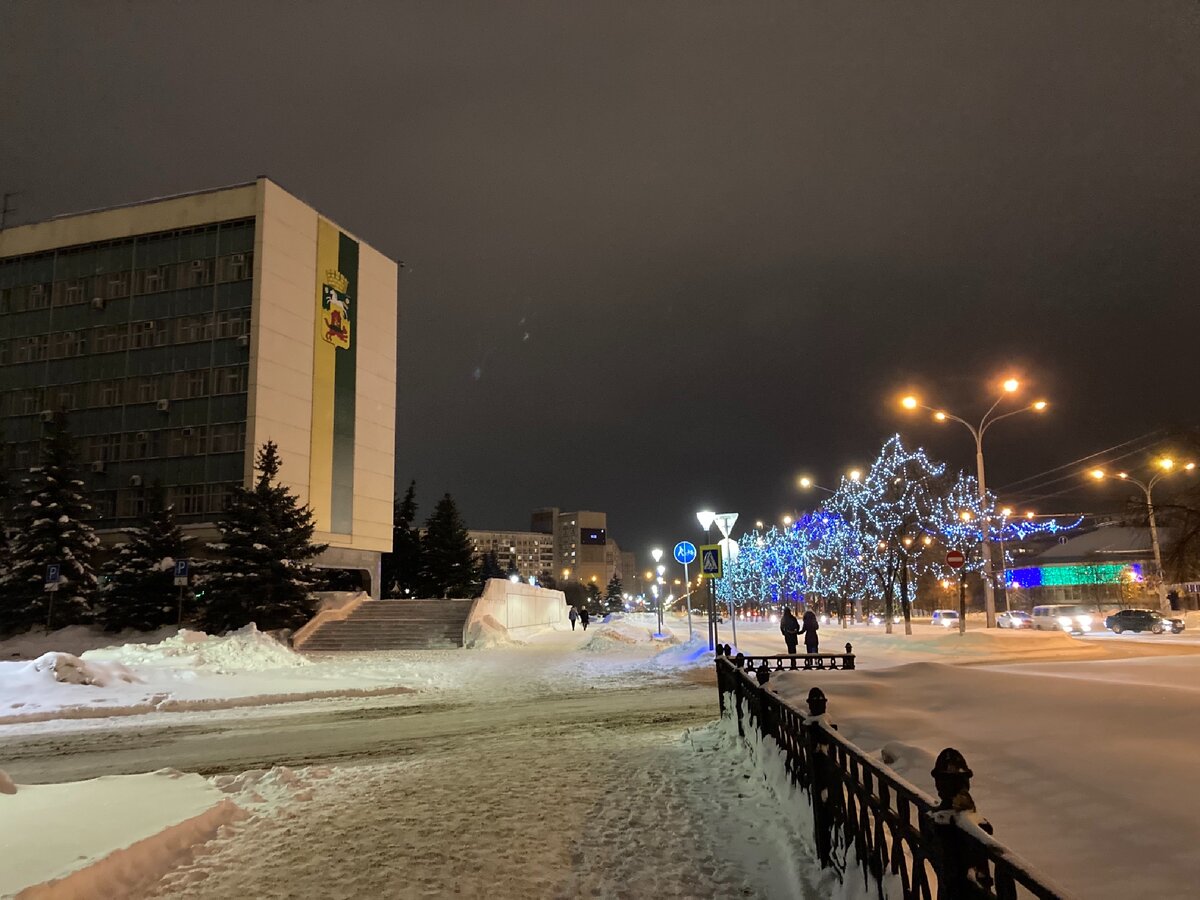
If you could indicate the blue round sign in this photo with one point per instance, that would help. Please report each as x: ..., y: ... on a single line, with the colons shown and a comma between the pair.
x: 685, y: 552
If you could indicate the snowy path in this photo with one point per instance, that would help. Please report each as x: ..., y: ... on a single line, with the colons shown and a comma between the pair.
x: 618, y: 807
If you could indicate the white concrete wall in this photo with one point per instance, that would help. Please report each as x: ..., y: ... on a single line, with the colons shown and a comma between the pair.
x: 518, y: 606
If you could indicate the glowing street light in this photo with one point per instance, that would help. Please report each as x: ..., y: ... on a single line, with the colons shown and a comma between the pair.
x: 1166, y: 466
x: 990, y: 418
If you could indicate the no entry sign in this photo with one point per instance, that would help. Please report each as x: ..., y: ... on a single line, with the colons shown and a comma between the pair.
x: 955, y: 559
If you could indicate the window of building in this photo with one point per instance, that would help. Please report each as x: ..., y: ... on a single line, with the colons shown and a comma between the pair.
x: 71, y: 292
x: 196, y: 272
x: 110, y: 338
x: 39, y: 296
x: 67, y: 344
x: 131, y: 503
x: 226, y: 438
x: 189, y: 329
x: 219, y: 496
x: 117, y: 285
x: 235, y: 267
x: 67, y: 396
x: 229, y: 380
x: 189, y: 498
x: 147, y: 334
x: 187, y: 441
x: 230, y: 324
x: 193, y: 383
x: 4, y: 352
x: 153, y: 279
x: 105, y: 447
x: 32, y: 349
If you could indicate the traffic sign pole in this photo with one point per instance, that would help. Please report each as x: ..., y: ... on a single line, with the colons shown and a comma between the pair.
x: 687, y: 590
x: 962, y: 603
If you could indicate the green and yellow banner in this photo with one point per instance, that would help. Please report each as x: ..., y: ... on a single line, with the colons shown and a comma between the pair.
x: 331, y: 477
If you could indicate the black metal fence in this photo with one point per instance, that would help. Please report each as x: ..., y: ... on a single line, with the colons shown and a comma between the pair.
x: 902, y: 839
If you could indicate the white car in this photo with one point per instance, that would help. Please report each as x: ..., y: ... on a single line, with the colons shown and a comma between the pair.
x: 1014, y: 619
x: 1066, y: 617
x: 947, y: 618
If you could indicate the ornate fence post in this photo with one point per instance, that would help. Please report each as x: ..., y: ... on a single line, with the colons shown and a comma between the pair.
x: 821, y: 785
x: 958, y: 860
x: 848, y: 662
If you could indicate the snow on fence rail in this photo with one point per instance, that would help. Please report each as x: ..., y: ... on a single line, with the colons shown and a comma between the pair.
x: 905, y: 842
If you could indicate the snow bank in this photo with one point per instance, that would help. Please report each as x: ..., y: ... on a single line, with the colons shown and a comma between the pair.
x: 485, y: 633
x: 244, y: 650
x: 67, y: 669
x: 623, y: 634
x: 108, y: 837
x: 686, y: 655
x: 73, y: 639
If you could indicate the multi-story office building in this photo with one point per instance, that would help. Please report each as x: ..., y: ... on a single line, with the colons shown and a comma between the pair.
x: 180, y: 334
x: 530, y: 552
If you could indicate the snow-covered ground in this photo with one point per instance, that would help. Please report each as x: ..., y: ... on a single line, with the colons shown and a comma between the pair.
x: 548, y: 767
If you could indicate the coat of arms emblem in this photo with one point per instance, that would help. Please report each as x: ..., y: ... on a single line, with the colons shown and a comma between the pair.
x: 335, y: 309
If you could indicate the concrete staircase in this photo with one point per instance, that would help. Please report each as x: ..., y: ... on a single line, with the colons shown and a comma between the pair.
x: 393, y: 625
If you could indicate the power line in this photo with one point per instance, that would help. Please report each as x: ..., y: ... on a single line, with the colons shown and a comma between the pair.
x: 1142, y: 440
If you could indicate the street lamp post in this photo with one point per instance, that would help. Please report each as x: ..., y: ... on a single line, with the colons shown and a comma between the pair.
x: 657, y: 554
x: 706, y: 517
x: 977, y: 432
x: 729, y: 551
x: 1166, y: 466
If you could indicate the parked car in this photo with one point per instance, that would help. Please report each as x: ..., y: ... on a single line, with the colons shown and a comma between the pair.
x: 947, y: 618
x: 1142, y: 620
x: 1062, y: 617
x: 1014, y: 619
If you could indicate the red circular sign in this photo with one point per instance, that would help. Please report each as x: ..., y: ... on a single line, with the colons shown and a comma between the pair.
x: 955, y: 559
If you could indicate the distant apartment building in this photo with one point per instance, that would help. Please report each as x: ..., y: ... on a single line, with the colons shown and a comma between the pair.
x: 180, y: 334
x: 531, y: 553
x: 584, y: 551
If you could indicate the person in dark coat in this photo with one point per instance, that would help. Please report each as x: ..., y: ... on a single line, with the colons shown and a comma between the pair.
x: 810, y: 631
x: 583, y: 618
x: 573, y: 615
x: 790, y: 628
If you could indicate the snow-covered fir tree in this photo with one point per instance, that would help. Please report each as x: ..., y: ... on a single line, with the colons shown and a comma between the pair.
x: 613, y: 601
x: 49, y: 529
x: 400, y: 570
x: 260, y: 574
x: 447, y: 562
x: 138, y: 590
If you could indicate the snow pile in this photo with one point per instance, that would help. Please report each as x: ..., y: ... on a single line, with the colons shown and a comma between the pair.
x: 622, y: 634
x: 73, y: 639
x: 67, y: 669
x: 485, y: 633
x: 244, y: 650
x: 686, y: 654
x: 107, y: 837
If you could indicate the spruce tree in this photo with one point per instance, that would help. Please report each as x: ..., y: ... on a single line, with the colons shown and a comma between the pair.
x: 489, y: 567
x: 139, y: 587
x: 260, y: 574
x: 613, y: 600
x: 447, y: 565
x: 400, y: 570
x: 48, y: 518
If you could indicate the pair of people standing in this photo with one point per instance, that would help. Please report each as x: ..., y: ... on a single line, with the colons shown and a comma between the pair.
x: 792, y: 630
x: 580, y: 615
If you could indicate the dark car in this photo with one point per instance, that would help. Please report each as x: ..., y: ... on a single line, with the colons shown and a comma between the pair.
x: 1142, y: 620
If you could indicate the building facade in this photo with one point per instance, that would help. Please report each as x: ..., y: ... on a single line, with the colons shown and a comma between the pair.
x: 531, y: 553
x: 584, y: 552
x: 180, y: 334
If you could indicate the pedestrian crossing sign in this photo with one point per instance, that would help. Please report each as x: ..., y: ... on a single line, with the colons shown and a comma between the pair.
x: 710, y: 561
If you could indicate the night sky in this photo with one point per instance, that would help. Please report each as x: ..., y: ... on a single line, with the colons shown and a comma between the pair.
x: 666, y: 256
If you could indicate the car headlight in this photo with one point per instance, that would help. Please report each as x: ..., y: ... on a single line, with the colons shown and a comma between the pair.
x: 1065, y: 621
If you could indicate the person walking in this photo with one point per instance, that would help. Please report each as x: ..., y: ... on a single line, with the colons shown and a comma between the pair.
x: 790, y: 628
x: 573, y: 615
x: 583, y: 618
x: 810, y: 631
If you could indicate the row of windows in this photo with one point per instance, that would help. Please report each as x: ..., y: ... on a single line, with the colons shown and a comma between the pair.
x: 126, y: 336
x: 99, y: 450
x: 188, y: 500
x: 136, y: 282
x: 117, y: 391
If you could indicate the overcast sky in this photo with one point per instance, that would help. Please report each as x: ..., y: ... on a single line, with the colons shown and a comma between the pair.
x: 665, y: 256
